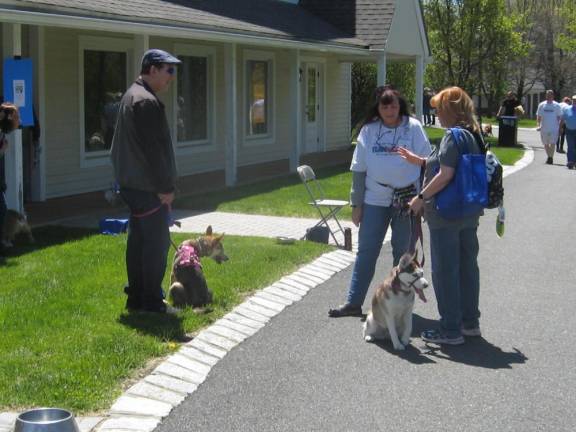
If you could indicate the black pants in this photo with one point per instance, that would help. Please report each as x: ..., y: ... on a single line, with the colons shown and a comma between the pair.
x: 147, y: 249
x: 561, y: 138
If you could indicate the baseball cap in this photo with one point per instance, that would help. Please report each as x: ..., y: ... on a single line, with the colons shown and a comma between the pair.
x: 155, y: 56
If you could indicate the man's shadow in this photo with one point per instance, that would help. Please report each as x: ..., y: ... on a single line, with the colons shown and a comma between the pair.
x: 165, y: 327
x: 477, y: 351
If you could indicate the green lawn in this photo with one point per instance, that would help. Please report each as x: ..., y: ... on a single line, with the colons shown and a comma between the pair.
x: 66, y: 340
x: 523, y: 122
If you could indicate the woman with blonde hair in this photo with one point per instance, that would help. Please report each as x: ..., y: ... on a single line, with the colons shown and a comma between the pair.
x: 453, y: 242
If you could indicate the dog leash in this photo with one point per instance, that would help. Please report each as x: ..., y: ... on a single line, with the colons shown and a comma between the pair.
x: 171, y: 221
x: 415, y: 234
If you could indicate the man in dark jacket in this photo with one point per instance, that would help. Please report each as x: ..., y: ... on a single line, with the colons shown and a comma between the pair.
x: 145, y: 169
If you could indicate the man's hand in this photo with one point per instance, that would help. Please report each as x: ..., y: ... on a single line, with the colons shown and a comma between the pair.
x: 166, y: 198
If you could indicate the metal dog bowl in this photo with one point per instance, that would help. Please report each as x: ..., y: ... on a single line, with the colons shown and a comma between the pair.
x: 46, y: 420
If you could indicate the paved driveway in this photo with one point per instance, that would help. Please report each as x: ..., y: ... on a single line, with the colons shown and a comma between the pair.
x: 306, y: 372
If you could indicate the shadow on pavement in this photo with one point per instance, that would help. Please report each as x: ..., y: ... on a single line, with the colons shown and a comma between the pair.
x: 477, y: 352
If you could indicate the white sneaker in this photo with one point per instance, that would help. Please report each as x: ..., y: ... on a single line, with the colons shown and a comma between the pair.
x: 472, y: 332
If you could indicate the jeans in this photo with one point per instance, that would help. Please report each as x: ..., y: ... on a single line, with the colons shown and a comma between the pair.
x: 375, y: 222
x: 456, y: 277
x: 146, y: 250
x: 571, y: 146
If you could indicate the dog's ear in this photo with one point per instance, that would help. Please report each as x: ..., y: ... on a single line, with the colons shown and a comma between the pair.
x: 219, y: 237
x: 209, y: 230
x: 415, y: 257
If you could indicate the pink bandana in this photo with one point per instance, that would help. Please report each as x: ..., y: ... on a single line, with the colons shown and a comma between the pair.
x: 187, y: 256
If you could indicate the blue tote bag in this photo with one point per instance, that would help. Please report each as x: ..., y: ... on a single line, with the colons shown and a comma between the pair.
x: 467, y: 193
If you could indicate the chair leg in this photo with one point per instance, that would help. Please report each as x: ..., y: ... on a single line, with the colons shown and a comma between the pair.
x: 324, y: 221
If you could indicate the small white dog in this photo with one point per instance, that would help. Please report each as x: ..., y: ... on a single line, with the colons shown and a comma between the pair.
x: 393, y: 302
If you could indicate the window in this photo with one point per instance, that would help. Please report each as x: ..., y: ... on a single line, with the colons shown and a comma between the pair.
x: 192, y: 99
x: 258, y: 97
x: 104, y: 68
x: 259, y: 104
x: 104, y: 83
x: 193, y: 104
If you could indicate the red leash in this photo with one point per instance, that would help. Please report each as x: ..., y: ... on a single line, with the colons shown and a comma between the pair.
x: 170, y: 220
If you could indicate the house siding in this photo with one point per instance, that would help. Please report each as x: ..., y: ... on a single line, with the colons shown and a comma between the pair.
x: 338, y: 104
x: 251, y: 152
x: 65, y: 173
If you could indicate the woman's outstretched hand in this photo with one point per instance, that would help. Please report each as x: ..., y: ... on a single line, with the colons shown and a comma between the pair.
x: 411, y: 157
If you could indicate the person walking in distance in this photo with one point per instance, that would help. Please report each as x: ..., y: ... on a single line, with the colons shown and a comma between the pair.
x: 548, y: 117
x: 569, y: 126
x: 566, y: 103
x: 145, y: 169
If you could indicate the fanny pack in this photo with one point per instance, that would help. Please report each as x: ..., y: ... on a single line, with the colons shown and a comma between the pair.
x: 401, y: 196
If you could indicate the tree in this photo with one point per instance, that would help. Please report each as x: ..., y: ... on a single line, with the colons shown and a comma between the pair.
x: 364, y: 78
x: 470, y: 41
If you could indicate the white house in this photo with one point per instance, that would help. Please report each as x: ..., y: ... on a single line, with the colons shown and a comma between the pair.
x: 264, y: 85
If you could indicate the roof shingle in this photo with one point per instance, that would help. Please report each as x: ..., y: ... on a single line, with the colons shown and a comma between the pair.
x: 270, y: 18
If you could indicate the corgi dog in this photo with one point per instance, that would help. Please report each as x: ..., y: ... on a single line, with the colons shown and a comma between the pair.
x: 188, y: 284
x: 393, y: 302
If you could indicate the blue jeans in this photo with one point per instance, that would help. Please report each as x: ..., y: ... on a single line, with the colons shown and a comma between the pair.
x: 375, y: 222
x: 571, y: 146
x: 456, y: 277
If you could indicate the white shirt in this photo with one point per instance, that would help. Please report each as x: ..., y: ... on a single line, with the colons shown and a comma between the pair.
x: 550, y: 113
x: 376, y: 155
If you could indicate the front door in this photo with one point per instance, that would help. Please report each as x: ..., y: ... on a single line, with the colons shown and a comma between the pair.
x: 312, y: 108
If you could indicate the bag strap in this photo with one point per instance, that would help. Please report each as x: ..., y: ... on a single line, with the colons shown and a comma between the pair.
x: 458, y: 135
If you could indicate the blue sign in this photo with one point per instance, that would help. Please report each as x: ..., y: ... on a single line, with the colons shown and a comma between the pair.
x: 18, y: 87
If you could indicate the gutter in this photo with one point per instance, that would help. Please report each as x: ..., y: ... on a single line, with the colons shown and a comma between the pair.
x: 11, y: 15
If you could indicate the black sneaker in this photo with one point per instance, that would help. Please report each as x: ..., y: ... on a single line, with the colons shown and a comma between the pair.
x: 346, y: 309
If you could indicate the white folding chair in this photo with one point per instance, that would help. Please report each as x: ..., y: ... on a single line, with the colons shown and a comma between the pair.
x: 328, y: 208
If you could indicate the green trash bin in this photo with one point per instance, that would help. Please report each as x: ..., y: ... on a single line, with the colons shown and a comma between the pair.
x: 507, y: 131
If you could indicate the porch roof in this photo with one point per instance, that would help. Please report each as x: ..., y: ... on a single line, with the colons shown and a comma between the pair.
x: 369, y: 20
x: 264, y: 18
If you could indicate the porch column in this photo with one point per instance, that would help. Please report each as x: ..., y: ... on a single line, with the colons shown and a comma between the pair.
x: 231, y: 119
x: 141, y: 45
x: 12, y: 45
x: 418, y: 97
x: 381, y: 79
x: 296, y: 111
x: 38, y: 180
